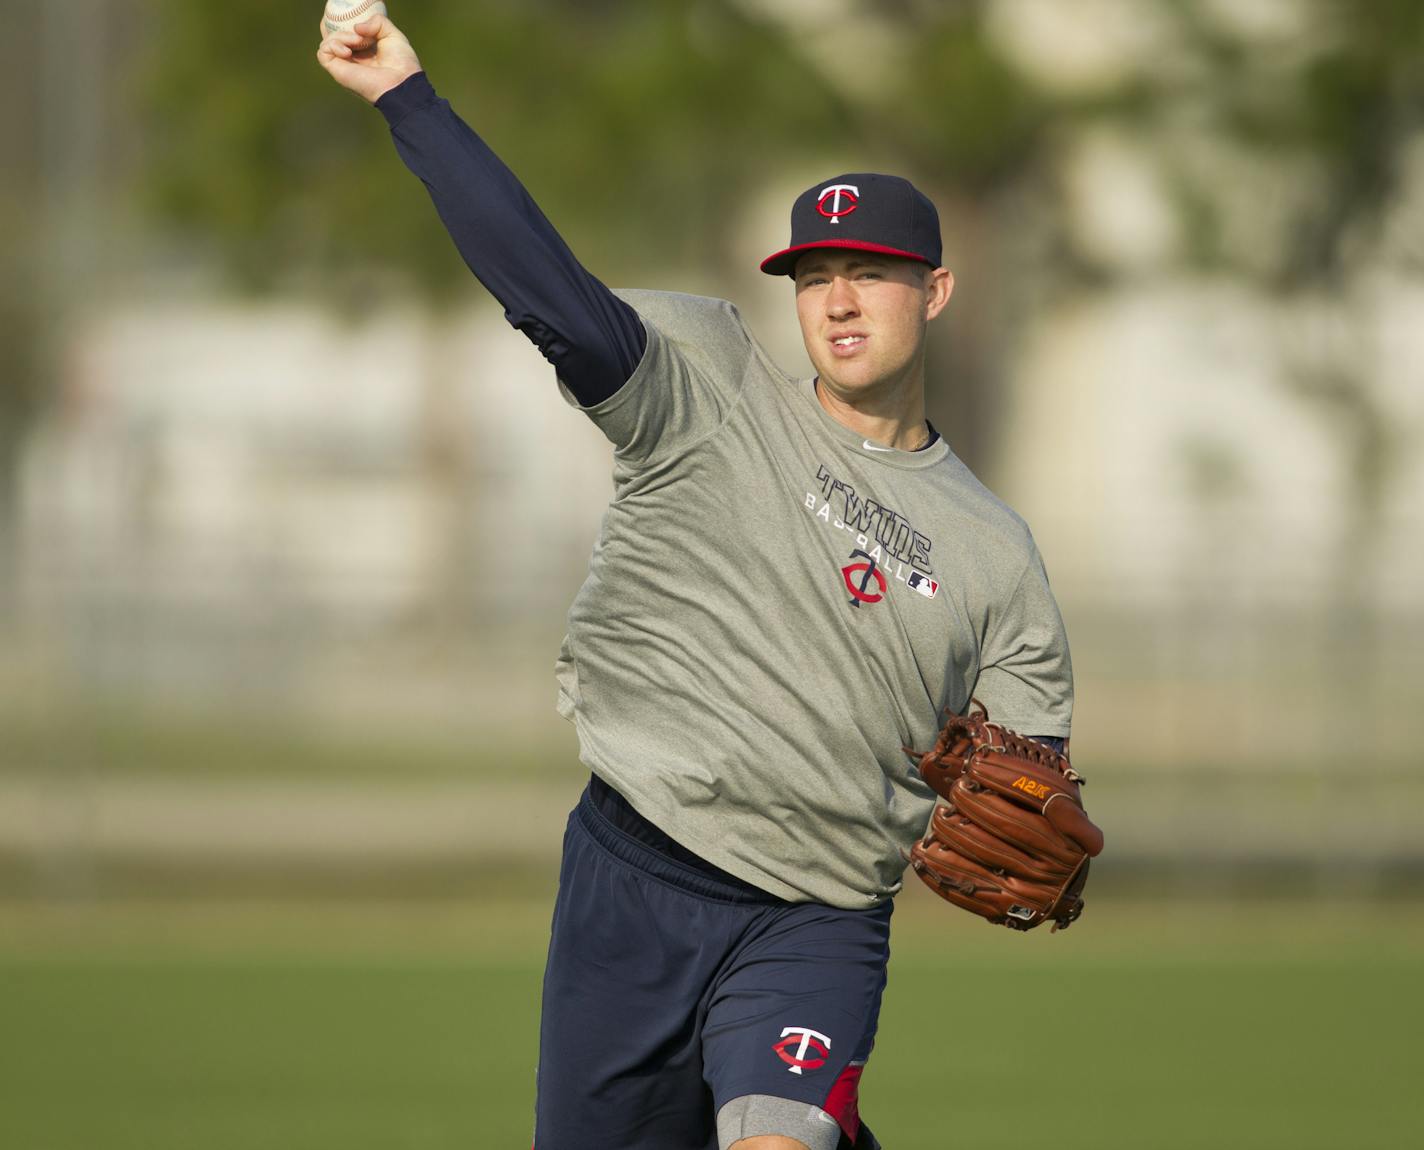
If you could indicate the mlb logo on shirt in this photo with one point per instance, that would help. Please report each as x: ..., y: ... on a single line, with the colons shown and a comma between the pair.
x: 923, y: 584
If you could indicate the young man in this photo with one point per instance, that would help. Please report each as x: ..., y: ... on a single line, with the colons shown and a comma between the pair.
x: 794, y: 579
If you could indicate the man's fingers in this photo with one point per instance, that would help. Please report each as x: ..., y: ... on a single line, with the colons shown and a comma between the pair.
x: 376, y: 27
x: 369, y: 58
x: 344, y: 44
x: 332, y: 47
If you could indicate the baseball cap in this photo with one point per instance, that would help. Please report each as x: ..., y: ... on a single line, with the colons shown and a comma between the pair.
x: 863, y: 211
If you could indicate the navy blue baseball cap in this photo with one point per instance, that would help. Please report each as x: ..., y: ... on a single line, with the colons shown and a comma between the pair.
x: 863, y: 211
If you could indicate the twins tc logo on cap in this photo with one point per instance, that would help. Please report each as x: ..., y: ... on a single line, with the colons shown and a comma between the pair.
x: 864, y: 211
x: 838, y: 200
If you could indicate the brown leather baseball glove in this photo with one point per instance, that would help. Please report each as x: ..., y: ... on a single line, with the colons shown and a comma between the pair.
x: 1013, y: 843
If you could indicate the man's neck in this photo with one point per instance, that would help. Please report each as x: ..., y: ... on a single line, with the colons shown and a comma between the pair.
x: 900, y: 425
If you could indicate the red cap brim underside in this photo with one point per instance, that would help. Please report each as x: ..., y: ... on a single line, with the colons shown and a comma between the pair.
x: 783, y: 263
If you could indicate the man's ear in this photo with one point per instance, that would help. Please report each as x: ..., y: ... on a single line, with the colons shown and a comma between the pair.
x: 939, y: 284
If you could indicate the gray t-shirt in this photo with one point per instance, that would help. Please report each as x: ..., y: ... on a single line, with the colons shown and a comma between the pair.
x: 776, y: 606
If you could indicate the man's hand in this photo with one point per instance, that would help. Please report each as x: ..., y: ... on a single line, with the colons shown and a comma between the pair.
x: 371, y: 59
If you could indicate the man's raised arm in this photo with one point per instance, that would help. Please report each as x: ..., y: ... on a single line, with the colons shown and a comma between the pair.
x: 593, y: 339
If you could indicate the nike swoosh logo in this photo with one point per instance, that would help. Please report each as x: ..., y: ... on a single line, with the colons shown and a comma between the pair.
x: 875, y: 446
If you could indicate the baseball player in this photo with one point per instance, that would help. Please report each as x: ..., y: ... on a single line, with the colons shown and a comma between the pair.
x: 794, y: 579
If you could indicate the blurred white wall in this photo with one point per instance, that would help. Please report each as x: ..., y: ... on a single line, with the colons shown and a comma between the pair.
x: 230, y: 497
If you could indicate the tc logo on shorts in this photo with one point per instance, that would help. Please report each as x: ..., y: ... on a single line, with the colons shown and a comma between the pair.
x: 857, y: 580
x: 843, y: 199
x: 812, y: 1048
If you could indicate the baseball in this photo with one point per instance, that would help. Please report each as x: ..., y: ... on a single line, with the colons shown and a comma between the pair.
x: 343, y: 15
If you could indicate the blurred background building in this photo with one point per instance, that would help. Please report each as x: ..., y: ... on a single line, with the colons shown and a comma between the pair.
x: 289, y: 518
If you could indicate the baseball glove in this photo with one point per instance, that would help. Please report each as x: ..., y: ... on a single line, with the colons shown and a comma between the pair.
x: 1013, y: 843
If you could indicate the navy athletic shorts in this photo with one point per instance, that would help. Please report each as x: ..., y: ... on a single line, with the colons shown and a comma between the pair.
x: 684, y: 1009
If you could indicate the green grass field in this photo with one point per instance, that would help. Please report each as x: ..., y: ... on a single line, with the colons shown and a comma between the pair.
x: 341, y: 1028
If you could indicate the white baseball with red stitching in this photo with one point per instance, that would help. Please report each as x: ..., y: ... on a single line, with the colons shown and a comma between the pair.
x: 343, y: 15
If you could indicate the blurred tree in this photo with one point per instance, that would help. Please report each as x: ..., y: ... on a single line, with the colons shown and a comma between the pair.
x: 640, y: 127
x: 1360, y: 110
x: 634, y: 125
x: 19, y: 303
x: 55, y: 148
x: 1346, y: 111
x: 643, y: 126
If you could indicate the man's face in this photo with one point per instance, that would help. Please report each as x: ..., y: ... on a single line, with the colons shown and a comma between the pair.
x: 863, y: 318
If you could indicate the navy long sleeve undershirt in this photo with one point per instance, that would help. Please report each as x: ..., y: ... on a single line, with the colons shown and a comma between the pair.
x: 593, y: 339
